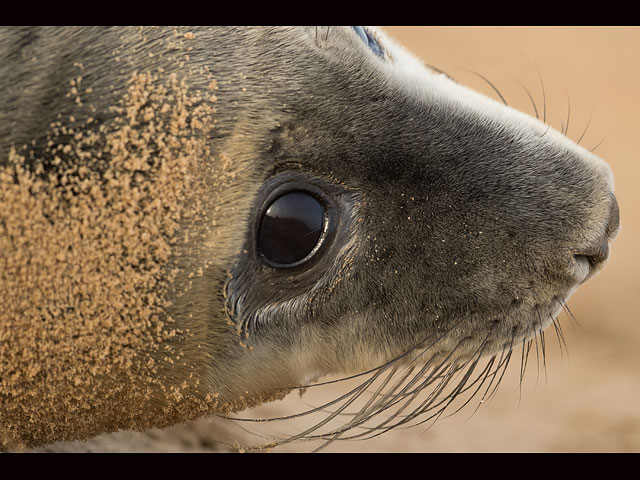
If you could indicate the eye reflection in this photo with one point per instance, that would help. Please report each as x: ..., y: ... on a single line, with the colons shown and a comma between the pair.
x: 291, y: 228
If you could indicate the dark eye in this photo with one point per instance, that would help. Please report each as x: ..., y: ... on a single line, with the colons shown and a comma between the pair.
x: 290, y: 229
x: 369, y: 40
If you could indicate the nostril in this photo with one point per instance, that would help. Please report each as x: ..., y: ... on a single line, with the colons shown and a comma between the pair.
x: 590, y: 259
x: 596, y: 256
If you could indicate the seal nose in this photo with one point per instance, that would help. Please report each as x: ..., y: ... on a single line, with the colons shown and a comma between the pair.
x: 614, y: 219
x: 598, y: 253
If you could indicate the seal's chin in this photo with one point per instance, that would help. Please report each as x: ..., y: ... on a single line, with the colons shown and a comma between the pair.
x: 450, y: 367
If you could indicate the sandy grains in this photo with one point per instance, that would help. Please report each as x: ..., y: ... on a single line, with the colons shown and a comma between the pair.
x: 86, y: 237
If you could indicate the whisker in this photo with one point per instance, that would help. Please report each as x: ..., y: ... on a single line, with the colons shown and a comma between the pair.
x: 544, y: 95
x: 304, y: 434
x: 544, y: 356
x: 407, y: 390
x: 561, y: 340
x: 504, y: 369
x: 354, y: 391
x: 565, y: 307
x: 393, y: 390
x: 493, y: 376
x: 350, y: 398
x: 392, y: 399
x: 484, y: 376
x: 562, y: 337
x: 412, y: 394
x: 368, y: 434
x: 526, y: 358
x: 459, y: 389
x: 555, y: 327
x: 587, y: 127
x: 427, y: 404
x: 542, y: 344
x: 535, y: 338
x: 495, y: 89
x: 439, y: 70
x: 376, y: 372
x: 377, y: 393
x: 568, y: 114
x: 599, y: 143
x: 389, y: 399
x: 522, y: 367
x: 533, y: 103
x: 502, y: 364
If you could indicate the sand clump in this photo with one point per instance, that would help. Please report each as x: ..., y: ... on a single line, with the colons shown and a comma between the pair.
x: 88, y: 229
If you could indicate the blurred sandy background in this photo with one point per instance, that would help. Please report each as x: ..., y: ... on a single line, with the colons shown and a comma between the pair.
x: 590, y: 401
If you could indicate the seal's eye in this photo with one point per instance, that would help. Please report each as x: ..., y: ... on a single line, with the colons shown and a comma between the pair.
x: 369, y: 40
x: 291, y: 229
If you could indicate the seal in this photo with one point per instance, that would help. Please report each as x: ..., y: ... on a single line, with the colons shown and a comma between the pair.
x: 197, y: 220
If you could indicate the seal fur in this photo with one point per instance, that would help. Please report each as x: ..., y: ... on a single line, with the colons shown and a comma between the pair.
x: 460, y: 219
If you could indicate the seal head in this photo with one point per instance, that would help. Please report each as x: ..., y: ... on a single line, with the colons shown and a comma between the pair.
x: 203, y: 219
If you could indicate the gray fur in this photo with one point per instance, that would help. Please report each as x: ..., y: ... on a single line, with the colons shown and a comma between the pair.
x: 457, y: 214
